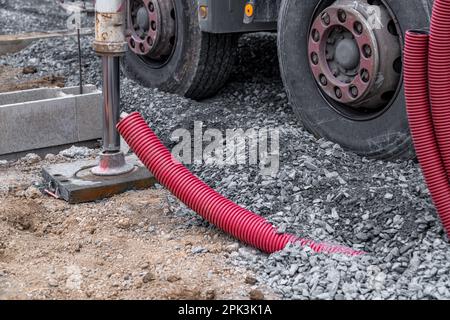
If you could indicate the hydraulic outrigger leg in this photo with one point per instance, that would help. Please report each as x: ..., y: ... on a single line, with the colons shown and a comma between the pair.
x: 90, y: 180
x: 110, y: 44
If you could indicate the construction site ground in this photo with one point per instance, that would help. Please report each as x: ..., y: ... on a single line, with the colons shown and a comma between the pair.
x: 148, y: 245
x: 126, y: 247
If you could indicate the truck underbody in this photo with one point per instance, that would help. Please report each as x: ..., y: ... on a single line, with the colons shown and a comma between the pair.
x: 230, y: 16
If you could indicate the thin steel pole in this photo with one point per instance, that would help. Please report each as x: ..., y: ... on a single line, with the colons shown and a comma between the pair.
x: 111, y: 103
x: 79, y: 61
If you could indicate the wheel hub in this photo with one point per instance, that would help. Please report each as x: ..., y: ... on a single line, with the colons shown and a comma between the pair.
x: 347, y: 54
x: 354, y: 53
x: 143, y: 19
x: 151, y: 27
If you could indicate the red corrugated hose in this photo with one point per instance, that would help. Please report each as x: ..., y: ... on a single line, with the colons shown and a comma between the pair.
x: 218, y: 210
x: 439, y: 76
x: 427, y: 91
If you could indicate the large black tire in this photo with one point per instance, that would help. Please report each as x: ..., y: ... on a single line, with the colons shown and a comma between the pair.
x: 385, y: 136
x: 200, y: 63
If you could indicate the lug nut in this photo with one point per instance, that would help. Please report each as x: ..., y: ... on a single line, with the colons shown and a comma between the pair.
x: 354, y: 91
x: 314, y: 58
x: 315, y: 35
x: 338, y: 92
x: 326, y: 18
x: 365, y: 75
x: 151, y: 7
x: 358, y: 27
x: 331, y: 40
x: 323, y: 80
x: 342, y: 16
x: 367, y: 50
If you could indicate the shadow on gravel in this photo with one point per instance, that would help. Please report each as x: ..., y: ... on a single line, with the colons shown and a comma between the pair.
x: 257, y: 59
x: 254, y: 84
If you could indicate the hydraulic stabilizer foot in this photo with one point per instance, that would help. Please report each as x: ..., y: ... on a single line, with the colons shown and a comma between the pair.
x: 112, y: 164
x: 110, y: 44
x: 89, y: 180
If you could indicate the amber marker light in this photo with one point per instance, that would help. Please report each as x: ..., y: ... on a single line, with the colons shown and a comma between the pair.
x: 249, y: 10
x: 203, y: 12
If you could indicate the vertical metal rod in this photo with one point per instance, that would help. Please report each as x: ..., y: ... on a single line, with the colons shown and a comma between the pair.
x: 79, y: 61
x: 111, y: 103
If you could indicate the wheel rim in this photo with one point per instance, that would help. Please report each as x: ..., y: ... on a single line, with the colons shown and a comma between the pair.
x: 355, y: 56
x: 151, y: 30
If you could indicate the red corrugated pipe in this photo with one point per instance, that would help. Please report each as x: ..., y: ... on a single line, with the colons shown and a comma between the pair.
x: 439, y: 76
x: 225, y: 214
x: 421, y: 122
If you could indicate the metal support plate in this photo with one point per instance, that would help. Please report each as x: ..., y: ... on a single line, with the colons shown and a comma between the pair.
x: 75, y: 183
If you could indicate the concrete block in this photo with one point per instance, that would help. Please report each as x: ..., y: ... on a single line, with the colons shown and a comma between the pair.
x: 44, y: 118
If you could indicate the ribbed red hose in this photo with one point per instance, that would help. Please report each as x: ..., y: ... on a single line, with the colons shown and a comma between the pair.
x: 421, y: 122
x: 225, y: 214
x: 439, y: 76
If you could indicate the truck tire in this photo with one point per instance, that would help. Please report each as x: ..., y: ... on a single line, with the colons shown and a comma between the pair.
x: 376, y: 125
x: 197, y: 65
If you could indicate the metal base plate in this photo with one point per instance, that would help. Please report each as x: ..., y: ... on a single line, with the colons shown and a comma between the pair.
x: 75, y: 183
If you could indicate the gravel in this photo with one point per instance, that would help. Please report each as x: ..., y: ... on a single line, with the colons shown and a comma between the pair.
x: 75, y: 152
x: 28, y: 16
x: 320, y: 191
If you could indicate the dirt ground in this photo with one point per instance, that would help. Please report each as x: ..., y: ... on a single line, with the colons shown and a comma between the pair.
x: 128, y: 247
x: 15, y: 79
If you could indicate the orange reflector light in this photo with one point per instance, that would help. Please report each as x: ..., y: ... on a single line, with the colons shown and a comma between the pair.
x: 249, y: 10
